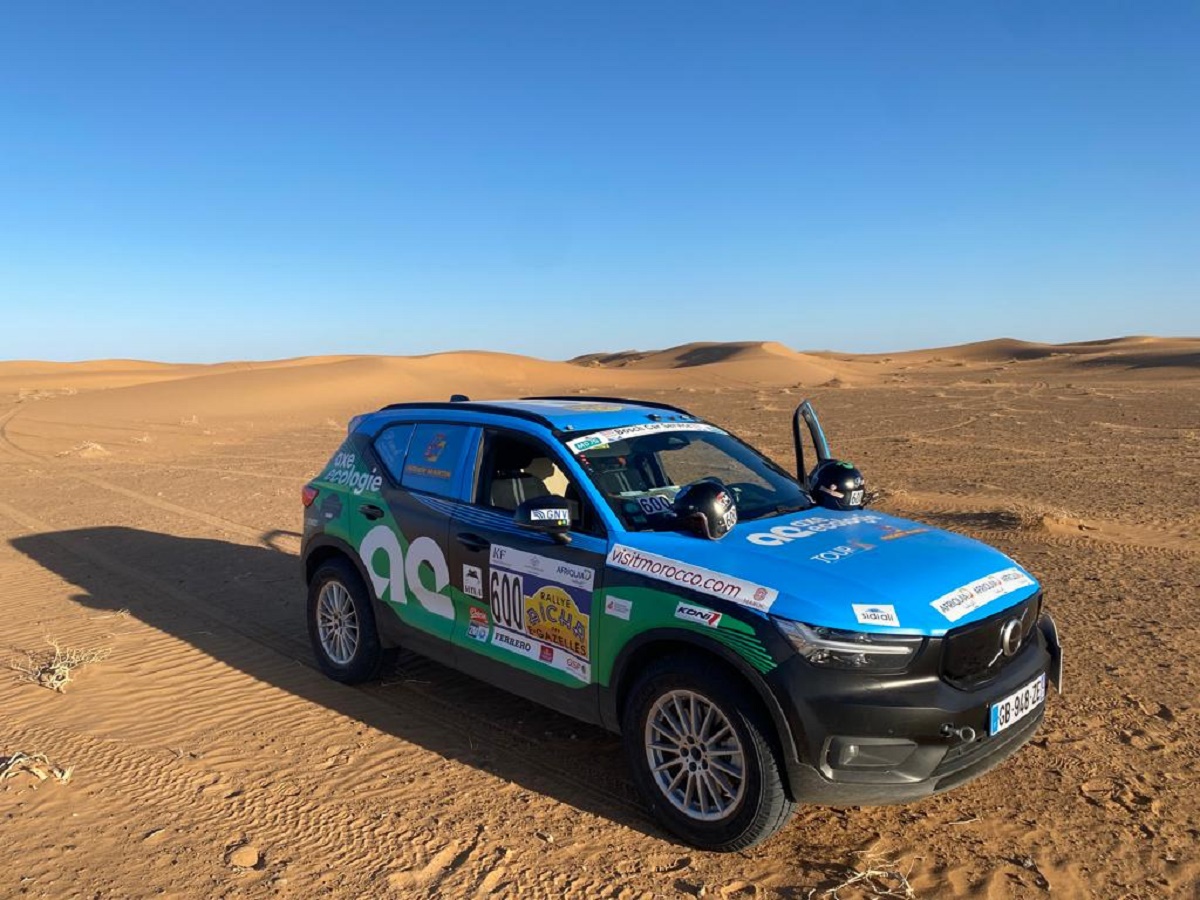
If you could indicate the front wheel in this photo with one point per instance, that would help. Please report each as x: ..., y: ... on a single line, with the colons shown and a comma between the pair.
x: 341, y: 624
x: 701, y: 756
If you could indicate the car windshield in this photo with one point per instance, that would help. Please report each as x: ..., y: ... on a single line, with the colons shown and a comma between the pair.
x: 640, y: 469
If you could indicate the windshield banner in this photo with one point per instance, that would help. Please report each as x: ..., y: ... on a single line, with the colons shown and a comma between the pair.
x: 611, y: 435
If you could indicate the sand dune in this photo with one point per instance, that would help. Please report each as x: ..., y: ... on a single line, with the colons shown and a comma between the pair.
x: 1128, y: 352
x: 766, y: 362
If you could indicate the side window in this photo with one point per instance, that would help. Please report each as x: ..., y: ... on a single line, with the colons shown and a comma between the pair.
x: 435, y: 457
x: 390, y: 447
x: 515, y: 468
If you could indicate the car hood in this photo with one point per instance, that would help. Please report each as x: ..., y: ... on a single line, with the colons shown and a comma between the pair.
x: 861, y: 571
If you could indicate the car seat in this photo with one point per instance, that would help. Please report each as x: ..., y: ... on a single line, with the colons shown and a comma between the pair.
x: 512, y: 484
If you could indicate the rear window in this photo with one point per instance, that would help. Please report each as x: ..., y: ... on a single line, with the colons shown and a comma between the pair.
x: 435, y: 457
x: 391, y: 446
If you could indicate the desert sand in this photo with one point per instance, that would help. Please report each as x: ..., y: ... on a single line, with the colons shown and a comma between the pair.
x: 149, y: 512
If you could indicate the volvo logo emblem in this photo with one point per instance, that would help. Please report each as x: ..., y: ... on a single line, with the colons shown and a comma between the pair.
x: 1010, y: 637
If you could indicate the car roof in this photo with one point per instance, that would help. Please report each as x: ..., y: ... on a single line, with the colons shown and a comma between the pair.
x: 559, y: 414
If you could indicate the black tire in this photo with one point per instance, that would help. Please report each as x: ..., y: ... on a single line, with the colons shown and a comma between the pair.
x: 763, y: 807
x: 368, y: 655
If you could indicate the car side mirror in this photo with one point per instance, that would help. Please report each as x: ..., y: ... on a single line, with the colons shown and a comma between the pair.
x: 547, y: 515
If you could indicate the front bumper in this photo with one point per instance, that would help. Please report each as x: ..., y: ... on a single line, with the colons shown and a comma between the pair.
x: 874, y: 739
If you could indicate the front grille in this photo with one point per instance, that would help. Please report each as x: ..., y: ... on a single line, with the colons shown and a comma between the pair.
x: 971, y: 655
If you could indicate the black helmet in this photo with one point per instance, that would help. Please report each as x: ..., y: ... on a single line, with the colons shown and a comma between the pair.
x: 837, y: 485
x: 707, y: 509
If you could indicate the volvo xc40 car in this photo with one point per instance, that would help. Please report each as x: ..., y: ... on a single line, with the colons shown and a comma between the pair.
x: 756, y: 642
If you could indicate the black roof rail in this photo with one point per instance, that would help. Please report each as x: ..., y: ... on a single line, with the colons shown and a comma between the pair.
x: 478, y: 406
x: 588, y: 398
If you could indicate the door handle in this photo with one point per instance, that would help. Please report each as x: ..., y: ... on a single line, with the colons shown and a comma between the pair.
x: 371, y: 511
x: 472, y: 541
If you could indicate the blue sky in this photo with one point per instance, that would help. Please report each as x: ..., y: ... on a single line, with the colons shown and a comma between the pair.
x: 190, y: 181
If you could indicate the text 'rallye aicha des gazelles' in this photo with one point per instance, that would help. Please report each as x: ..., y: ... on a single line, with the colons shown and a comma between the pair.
x: 758, y: 639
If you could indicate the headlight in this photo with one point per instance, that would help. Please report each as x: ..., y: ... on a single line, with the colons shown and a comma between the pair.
x: 837, y: 649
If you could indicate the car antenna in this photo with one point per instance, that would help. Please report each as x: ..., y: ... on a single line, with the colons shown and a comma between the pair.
x: 459, y: 398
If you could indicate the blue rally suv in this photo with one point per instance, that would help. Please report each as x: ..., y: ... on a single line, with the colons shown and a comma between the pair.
x: 759, y: 639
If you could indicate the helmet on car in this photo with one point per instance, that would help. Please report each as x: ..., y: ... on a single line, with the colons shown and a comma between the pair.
x: 837, y: 485
x: 706, y: 508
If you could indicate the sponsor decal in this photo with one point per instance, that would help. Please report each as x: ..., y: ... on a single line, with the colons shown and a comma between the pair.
x: 980, y: 592
x: 576, y: 405
x: 856, y: 497
x: 618, y: 608
x: 473, y: 582
x: 806, y: 528
x: 610, y: 435
x: 698, y: 615
x: 478, y: 629
x: 403, y: 570
x: 592, y: 407
x: 729, y: 517
x: 554, y: 657
x: 552, y: 616
x: 696, y: 578
x: 426, y: 471
x: 343, y: 471
x: 435, y: 448
x: 894, y: 533
x: 840, y: 552
x: 875, y: 614
x: 550, y: 515
x: 544, y: 599
x: 513, y: 642
x: 543, y: 567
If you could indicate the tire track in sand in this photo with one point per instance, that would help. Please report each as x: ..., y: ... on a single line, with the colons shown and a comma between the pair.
x: 222, y: 525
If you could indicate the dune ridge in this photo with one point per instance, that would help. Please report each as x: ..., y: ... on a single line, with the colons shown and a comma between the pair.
x: 134, y: 394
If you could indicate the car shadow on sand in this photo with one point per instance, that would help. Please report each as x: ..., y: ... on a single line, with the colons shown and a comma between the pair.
x: 245, y: 606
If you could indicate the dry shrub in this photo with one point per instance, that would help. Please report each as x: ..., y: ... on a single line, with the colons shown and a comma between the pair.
x: 874, y: 876
x: 36, y: 764
x: 53, y: 669
x: 882, y: 493
x: 1028, y: 516
x: 86, y: 449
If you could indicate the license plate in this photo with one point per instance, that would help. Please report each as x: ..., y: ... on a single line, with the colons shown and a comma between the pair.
x: 1016, y: 706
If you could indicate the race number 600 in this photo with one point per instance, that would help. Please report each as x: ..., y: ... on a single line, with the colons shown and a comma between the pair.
x: 508, y: 600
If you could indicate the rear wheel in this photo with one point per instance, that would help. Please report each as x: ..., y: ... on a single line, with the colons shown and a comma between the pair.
x: 341, y: 624
x: 701, y: 756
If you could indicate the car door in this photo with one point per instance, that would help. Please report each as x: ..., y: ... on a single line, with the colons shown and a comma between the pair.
x: 527, y: 616
x: 402, y: 531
